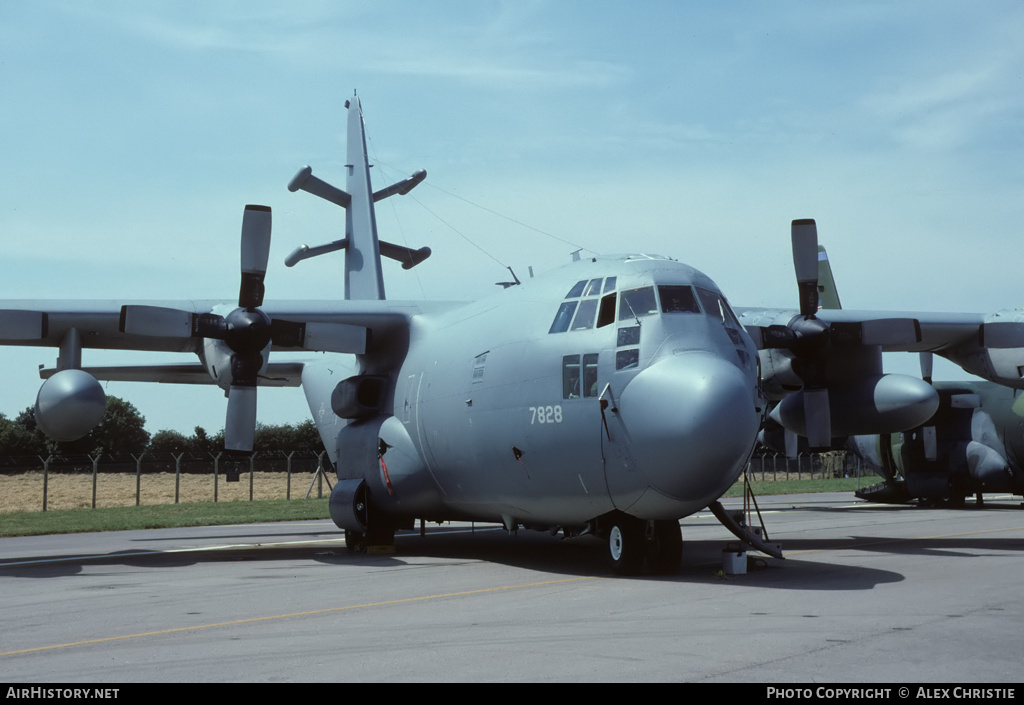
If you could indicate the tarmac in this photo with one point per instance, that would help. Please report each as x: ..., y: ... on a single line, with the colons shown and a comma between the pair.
x: 866, y: 594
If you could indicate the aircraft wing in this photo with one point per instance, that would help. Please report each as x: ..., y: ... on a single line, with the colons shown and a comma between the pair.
x: 46, y: 323
x: 71, y: 400
x: 935, y: 332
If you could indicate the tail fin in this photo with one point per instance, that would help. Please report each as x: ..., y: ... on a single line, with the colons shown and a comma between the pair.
x: 363, y: 276
x: 828, y: 296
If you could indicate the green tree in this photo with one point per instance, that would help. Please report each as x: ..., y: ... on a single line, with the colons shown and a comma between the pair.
x: 16, y: 438
x: 170, y: 442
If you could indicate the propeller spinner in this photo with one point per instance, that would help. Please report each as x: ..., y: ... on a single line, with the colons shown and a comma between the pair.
x: 247, y: 331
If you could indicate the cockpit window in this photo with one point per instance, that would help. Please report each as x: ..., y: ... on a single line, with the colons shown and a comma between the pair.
x: 678, y: 299
x: 580, y: 308
x: 593, y: 288
x: 585, y: 315
x: 563, y: 318
x: 715, y: 306
x: 637, y: 302
x: 577, y: 290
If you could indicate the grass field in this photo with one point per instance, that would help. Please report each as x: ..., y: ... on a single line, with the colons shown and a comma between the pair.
x: 69, y: 501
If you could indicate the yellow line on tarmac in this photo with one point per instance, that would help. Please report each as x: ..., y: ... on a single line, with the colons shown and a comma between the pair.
x: 293, y: 614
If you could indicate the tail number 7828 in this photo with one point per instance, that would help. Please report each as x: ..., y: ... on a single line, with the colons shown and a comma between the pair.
x: 546, y: 414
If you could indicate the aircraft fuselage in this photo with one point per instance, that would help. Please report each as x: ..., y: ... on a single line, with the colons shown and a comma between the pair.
x: 495, y: 412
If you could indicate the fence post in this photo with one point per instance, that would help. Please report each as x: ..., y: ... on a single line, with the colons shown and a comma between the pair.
x: 46, y: 478
x: 95, y: 471
x: 177, y: 474
x: 138, y: 477
x: 252, y: 460
x: 216, y: 474
x: 288, y: 490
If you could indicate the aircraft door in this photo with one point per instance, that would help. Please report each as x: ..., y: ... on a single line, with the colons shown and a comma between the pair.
x: 621, y: 475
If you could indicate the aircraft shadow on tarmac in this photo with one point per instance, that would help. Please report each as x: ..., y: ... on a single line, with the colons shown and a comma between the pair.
x: 702, y: 560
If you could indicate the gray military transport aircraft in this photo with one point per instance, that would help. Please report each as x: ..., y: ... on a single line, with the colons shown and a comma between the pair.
x: 821, y: 366
x: 971, y: 442
x: 611, y: 397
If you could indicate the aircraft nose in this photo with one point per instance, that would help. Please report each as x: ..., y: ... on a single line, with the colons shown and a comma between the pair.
x: 691, y: 421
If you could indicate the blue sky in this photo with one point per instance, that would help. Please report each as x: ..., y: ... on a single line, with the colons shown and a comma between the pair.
x: 134, y: 133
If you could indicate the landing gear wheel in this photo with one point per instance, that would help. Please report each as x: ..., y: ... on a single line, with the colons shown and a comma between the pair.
x: 665, y: 548
x: 625, y: 536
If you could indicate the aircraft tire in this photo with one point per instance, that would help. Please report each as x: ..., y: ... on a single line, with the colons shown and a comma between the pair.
x: 625, y: 544
x: 665, y: 549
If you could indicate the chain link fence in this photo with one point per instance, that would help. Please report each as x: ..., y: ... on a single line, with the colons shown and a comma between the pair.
x: 808, y: 466
x: 55, y: 482
x: 39, y: 484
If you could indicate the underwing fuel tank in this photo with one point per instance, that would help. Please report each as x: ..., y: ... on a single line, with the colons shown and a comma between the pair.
x: 69, y: 405
x: 879, y: 404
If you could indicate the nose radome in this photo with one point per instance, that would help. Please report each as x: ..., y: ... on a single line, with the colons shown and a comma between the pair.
x: 691, y: 421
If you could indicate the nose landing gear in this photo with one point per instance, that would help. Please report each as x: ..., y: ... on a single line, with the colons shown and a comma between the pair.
x: 630, y: 542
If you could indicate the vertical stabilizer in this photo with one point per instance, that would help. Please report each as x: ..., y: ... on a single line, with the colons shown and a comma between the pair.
x: 363, y: 277
x: 827, y: 294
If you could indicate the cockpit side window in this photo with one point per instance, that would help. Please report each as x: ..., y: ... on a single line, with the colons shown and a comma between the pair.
x: 716, y: 307
x: 571, y: 377
x: 606, y: 315
x: 590, y: 375
x: 563, y: 318
x: 678, y: 299
x: 637, y: 302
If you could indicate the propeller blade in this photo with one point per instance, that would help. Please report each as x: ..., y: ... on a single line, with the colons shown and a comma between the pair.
x: 161, y: 322
x: 965, y: 401
x: 883, y: 331
x: 805, y: 263
x: 929, y: 437
x: 792, y: 442
x: 768, y: 337
x: 22, y: 325
x: 321, y: 337
x: 256, y: 227
x: 156, y: 321
x: 931, y: 444
x: 240, y: 424
x: 816, y: 415
x: 891, y: 331
x: 926, y: 366
x: 1001, y: 334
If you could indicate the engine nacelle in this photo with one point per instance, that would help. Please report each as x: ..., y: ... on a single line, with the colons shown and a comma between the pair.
x: 69, y: 405
x: 882, y: 404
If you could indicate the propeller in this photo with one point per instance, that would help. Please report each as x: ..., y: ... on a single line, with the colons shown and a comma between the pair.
x: 928, y: 436
x: 810, y: 339
x: 247, y: 331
